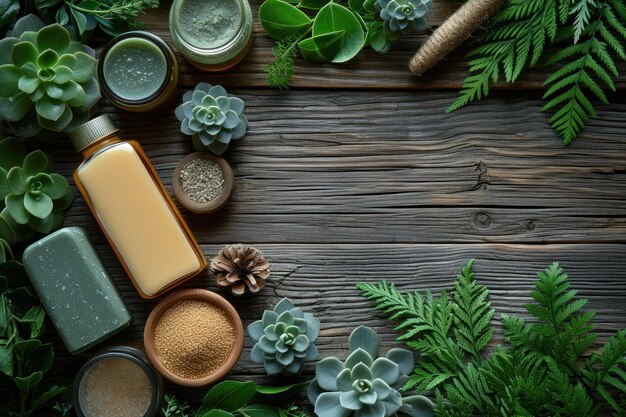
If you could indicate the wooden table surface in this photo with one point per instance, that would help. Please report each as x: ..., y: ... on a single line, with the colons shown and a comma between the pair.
x: 357, y: 174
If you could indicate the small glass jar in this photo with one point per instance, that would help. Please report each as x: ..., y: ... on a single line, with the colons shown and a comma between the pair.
x: 138, y: 71
x: 122, y: 371
x: 213, y: 35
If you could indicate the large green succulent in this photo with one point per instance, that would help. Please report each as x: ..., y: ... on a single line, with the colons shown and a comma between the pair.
x: 47, y: 81
x: 403, y: 15
x: 211, y: 117
x: 366, y: 385
x: 284, y: 339
x: 32, y: 199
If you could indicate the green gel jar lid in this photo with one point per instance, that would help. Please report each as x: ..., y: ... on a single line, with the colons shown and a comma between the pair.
x: 134, y: 69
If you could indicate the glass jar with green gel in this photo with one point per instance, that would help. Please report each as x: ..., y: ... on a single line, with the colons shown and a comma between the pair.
x: 138, y: 71
x: 213, y: 35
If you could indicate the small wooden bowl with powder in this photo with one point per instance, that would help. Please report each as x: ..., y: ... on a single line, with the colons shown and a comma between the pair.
x: 193, y: 337
x: 203, y: 182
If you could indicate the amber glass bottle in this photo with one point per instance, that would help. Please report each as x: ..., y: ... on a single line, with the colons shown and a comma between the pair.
x: 134, y: 210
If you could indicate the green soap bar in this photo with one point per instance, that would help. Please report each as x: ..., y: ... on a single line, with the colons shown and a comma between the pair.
x: 75, y: 289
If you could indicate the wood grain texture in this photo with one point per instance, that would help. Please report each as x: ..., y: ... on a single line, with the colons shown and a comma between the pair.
x: 369, y: 70
x: 392, y: 167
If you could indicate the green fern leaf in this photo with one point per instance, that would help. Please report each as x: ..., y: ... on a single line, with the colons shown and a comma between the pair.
x: 473, y: 312
x: 591, y: 67
x: 606, y: 371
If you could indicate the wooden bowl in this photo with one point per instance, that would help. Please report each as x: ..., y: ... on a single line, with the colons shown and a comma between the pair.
x: 210, y: 206
x: 193, y: 294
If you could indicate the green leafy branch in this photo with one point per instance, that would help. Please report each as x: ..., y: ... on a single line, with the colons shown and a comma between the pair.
x: 591, y: 32
x: 538, y: 372
x: 238, y: 399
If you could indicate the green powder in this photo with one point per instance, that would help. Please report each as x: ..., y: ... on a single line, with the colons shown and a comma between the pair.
x: 134, y: 69
x: 209, y: 24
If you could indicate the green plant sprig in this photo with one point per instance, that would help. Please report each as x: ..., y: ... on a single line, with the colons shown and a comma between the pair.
x: 24, y: 358
x: 540, y: 371
x: 239, y: 399
x: 323, y: 31
x: 590, y: 34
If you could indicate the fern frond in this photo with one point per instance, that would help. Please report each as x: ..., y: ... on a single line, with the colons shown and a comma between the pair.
x: 607, y: 371
x: 426, y: 323
x: 571, y: 400
x: 516, y: 38
x: 590, y: 69
x: 581, y: 9
x: 474, y: 313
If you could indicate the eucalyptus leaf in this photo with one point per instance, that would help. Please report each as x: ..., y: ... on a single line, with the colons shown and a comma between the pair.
x: 229, y: 395
x: 80, y: 20
x: 26, y: 384
x: 6, y: 360
x: 326, y: 46
x: 282, y: 20
x: 34, y: 319
x: 334, y: 17
x: 313, y: 4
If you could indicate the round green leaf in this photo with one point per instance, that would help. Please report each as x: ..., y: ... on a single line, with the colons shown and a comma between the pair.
x: 35, y: 163
x: 327, y: 45
x: 49, y: 108
x: 15, y: 206
x: 39, y: 205
x: 47, y: 59
x: 308, y: 50
x: 334, y: 17
x: 54, y: 37
x: 59, y: 187
x: 63, y: 74
x: 9, y: 78
x: 67, y: 60
x: 85, y: 67
x: 16, y: 180
x: 58, y: 125
x: 23, y: 52
x: 313, y: 4
x: 282, y: 20
x: 15, y: 108
x: 29, y: 84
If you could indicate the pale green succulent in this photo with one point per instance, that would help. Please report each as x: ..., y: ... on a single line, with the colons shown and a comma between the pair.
x: 32, y: 199
x: 366, y: 385
x: 403, y: 15
x: 284, y: 339
x: 47, y: 81
x: 211, y: 117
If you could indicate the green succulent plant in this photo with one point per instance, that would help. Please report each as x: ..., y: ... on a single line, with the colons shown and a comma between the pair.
x: 366, y: 385
x: 403, y: 15
x: 32, y: 198
x: 284, y: 339
x: 47, y: 81
x: 211, y: 117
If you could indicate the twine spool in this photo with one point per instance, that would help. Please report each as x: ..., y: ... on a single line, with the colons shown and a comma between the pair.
x: 452, y: 33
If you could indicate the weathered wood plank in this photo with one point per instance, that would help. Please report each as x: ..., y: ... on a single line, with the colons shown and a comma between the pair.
x: 369, y: 70
x: 393, y: 167
x: 321, y: 278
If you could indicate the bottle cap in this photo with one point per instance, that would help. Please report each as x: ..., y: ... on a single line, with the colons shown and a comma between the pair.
x: 92, y: 131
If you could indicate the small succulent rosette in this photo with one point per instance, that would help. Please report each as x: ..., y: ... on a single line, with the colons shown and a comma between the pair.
x: 32, y: 198
x: 403, y: 15
x: 284, y: 339
x: 212, y: 118
x: 366, y: 385
x: 47, y: 81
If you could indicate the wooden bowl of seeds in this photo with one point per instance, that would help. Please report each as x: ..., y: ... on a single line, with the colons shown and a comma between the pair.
x: 193, y: 337
x: 203, y: 182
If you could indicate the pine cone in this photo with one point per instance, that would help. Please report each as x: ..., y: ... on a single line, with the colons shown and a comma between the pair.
x: 240, y: 266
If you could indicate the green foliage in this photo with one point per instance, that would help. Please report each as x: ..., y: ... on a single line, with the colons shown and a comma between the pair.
x: 32, y: 198
x: 238, y: 399
x: 47, y: 81
x: 325, y: 31
x: 588, y: 33
x: 112, y: 16
x: 24, y: 358
x: 539, y: 372
x: 9, y: 10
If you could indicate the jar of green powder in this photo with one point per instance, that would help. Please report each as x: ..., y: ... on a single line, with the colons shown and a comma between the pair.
x: 213, y: 35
